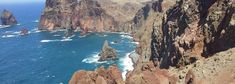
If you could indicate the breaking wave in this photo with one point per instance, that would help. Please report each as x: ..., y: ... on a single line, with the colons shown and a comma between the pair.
x: 127, y: 64
x: 93, y: 58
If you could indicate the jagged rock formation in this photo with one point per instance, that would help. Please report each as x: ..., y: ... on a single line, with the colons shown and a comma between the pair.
x: 7, y: 18
x: 217, y: 69
x: 151, y: 75
x: 112, y: 75
x: 91, y: 15
x: 177, y: 34
x: 192, y: 29
x: 107, y: 52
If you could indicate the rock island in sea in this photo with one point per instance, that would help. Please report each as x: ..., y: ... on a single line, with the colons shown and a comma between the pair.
x: 7, y: 18
x: 107, y: 53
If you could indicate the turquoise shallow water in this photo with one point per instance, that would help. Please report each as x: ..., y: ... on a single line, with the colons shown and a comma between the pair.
x: 48, y: 58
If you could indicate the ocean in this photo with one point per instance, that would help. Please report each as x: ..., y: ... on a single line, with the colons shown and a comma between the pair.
x: 47, y: 57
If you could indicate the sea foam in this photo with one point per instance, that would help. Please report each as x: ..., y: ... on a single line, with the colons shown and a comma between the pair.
x: 127, y: 64
x: 9, y: 36
x: 93, y: 58
x: 36, y: 21
x: 47, y: 41
x: 126, y: 36
x: 56, y: 40
x: 4, y: 26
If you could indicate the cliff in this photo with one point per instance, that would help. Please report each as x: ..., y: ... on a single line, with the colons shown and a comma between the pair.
x: 175, y: 35
x: 91, y: 15
x: 7, y: 18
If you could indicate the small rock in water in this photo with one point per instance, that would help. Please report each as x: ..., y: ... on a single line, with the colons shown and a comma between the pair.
x: 7, y: 18
x: 107, y: 52
x: 24, y: 32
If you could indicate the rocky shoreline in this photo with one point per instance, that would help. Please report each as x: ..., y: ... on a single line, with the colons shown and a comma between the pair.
x: 173, y: 36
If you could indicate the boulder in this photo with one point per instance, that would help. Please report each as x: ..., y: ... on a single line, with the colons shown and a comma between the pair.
x: 112, y: 75
x: 107, y: 52
x: 24, y: 32
x: 7, y: 18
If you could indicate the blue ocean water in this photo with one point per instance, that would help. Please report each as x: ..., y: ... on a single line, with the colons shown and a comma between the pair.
x: 47, y: 57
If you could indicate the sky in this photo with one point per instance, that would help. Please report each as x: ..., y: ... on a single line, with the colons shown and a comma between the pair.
x: 20, y: 1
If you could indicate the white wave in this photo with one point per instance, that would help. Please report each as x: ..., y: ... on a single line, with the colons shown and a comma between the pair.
x: 56, y: 35
x: 56, y: 40
x: 69, y: 37
x: 17, y: 32
x: 35, y: 30
x: 47, y: 41
x: 9, y: 36
x: 126, y: 36
x: 66, y: 39
x: 103, y: 35
x: 137, y: 43
x: 36, y: 21
x: 4, y: 26
x: 128, y: 65
x: 18, y: 24
x: 93, y: 59
x: 82, y: 36
x: 122, y: 33
x: 113, y: 43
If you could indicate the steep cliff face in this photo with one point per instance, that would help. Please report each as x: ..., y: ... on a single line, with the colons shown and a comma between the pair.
x: 56, y: 14
x: 177, y: 33
x: 7, y: 18
x: 92, y: 15
x: 193, y: 29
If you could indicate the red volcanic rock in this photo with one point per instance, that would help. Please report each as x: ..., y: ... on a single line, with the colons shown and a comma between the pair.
x: 191, y: 30
x: 93, y: 15
x: 112, y: 75
x: 85, y: 14
x: 107, y: 52
x: 151, y: 75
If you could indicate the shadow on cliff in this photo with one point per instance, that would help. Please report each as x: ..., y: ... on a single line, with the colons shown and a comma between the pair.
x: 224, y: 37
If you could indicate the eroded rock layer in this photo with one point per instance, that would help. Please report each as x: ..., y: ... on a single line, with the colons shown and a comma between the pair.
x: 91, y: 15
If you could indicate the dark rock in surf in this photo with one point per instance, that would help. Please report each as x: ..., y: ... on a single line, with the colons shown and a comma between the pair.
x: 107, y: 53
x: 7, y: 18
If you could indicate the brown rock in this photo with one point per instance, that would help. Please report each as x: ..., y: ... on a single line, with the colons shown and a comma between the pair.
x: 107, y: 52
x: 100, y: 80
x: 92, y: 15
x: 101, y: 76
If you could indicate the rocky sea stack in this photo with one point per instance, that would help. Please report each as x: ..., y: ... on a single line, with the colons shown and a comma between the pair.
x: 107, y: 52
x: 7, y: 18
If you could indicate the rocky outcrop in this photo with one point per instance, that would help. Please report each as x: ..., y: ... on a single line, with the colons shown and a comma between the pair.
x: 150, y: 75
x: 91, y: 15
x: 112, y: 75
x: 191, y: 30
x: 107, y: 53
x: 174, y: 35
x: 217, y: 69
x: 7, y: 18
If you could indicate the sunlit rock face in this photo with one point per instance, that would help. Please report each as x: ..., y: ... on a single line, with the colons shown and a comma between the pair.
x: 91, y: 15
